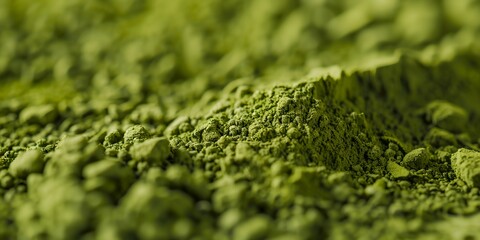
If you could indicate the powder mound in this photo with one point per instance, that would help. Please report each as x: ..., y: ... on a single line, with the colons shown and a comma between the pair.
x: 291, y: 124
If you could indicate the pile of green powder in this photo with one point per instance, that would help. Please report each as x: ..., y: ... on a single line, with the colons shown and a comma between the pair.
x: 263, y: 119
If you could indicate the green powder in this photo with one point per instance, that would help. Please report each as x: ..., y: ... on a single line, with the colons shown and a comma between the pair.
x: 239, y: 119
x: 416, y: 159
x: 26, y: 163
x: 286, y: 123
x: 466, y: 164
x: 155, y: 150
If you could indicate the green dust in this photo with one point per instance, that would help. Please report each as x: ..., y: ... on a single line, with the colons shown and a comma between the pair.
x: 239, y: 120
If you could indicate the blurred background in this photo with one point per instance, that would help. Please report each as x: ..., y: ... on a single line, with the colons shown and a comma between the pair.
x: 178, y: 52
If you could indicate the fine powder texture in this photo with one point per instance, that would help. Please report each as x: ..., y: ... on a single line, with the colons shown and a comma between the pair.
x: 239, y: 119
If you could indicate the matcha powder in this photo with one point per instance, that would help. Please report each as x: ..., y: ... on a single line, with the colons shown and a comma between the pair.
x: 239, y: 120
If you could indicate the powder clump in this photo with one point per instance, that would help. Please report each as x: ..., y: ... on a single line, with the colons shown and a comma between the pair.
x: 447, y: 116
x: 466, y: 164
x: 136, y: 133
x: 42, y: 114
x: 26, y: 163
x: 155, y: 150
x: 397, y: 171
x: 416, y: 159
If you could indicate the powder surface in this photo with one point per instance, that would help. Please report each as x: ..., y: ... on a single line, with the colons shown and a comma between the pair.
x: 239, y: 119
